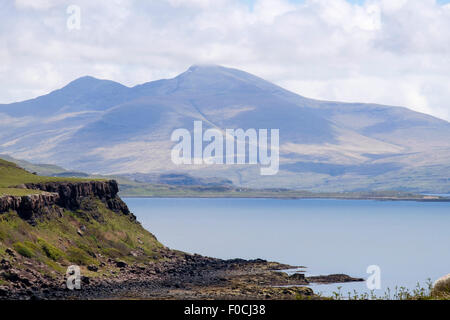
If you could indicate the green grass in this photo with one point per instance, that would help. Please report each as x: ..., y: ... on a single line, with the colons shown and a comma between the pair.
x: 25, y: 249
x: 49, y: 250
x: 79, y: 256
x: 17, y: 192
x: 56, y: 243
x: 41, y: 169
x: 11, y: 176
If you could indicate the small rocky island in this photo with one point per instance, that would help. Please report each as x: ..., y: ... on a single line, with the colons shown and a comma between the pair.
x: 49, y: 224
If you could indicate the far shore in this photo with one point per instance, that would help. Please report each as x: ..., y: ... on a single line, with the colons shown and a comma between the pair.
x: 286, y: 197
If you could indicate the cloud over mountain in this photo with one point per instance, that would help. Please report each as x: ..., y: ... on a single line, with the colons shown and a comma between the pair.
x: 384, y: 51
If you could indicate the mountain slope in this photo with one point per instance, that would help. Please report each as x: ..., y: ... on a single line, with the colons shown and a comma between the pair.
x: 100, y: 126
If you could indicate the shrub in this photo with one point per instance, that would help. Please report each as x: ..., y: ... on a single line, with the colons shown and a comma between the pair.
x: 442, y: 286
x: 78, y: 256
x: 24, y: 249
x: 49, y: 250
x: 112, y: 252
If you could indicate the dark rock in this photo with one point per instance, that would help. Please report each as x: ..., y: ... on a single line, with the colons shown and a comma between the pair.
x: 19, y: 276
x: 93, y: 268
x: 30, y: 207
x: 121, y: 264
x: 4, y: 291
x: 71, y: 195
x: 12, y: 276
x: 298, y: 277
x: 5, y: 264
x: 58, y: 195
x: 10, y: 252
x: 333, y: 278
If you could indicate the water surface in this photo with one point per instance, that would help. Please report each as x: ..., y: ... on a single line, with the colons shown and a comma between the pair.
x: 409, y: 241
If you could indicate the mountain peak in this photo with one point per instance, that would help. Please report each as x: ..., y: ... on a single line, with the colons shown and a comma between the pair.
x: 86, y: 78
x: 202, y: 69
x: 87, y: 82
x: 90, y: 87
x: 217, y: 78
x: 204, y: 66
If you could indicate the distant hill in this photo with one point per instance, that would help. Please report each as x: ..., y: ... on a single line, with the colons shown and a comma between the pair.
x: 40, y: 169
x: 135, y: 184
x: 101, y: 126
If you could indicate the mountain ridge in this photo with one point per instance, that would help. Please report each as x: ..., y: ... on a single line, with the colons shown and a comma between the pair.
x: 101, y: 126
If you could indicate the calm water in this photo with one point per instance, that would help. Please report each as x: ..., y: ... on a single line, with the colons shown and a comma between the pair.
x: 409, y: 241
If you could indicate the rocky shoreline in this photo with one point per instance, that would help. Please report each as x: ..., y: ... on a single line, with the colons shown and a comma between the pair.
x: 180, y: 276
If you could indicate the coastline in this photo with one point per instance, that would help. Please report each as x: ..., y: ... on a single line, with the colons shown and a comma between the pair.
x: 221, y: 191
x: 281, y: 197
x: 185, y: 277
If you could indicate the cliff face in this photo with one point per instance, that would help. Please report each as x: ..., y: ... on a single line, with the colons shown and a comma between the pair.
x: 67, y: 195
x: 31, y: 206
x: 58, y: 224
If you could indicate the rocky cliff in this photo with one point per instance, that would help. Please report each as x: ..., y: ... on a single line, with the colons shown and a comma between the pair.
x: 52, y: 197
x: 31, y: 206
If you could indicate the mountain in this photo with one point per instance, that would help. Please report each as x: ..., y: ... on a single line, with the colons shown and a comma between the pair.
x: 103, y: 127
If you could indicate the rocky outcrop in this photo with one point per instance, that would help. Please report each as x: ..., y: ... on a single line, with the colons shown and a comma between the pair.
x: 31, y: 206
x: 442, y: 285
x: 71, y: 194
x: 333, y: 278
x: 54, y: 196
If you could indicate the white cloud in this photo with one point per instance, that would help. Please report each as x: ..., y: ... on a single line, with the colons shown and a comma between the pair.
x: 385, y: 51
x: 35, y: 4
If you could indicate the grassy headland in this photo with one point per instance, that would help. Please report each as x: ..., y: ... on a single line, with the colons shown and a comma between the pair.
x: 12, y: 176
x: 96, y: 233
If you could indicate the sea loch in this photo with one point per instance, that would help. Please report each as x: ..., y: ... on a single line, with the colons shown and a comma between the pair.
x: 409, y: 241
